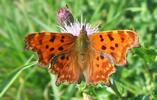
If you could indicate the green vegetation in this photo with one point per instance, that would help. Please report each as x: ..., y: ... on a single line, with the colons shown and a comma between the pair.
x: 22, y: 79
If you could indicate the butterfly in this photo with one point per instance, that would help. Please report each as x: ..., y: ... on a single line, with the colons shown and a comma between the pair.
x: 94, y: 55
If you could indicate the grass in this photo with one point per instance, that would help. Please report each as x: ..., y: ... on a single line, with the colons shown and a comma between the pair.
x: 22, y: 79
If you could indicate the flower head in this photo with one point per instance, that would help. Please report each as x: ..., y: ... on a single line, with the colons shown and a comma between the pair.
x: 69, y: 25
x: 77, y: 26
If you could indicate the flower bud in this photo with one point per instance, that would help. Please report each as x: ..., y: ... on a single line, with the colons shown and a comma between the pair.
x: 64, y: 16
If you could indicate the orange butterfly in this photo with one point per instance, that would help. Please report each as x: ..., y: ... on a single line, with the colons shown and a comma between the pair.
x: 92, y: 55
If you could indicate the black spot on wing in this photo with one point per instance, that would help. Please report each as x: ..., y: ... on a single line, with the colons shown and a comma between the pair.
x: 51, y: 49
x: 47, y: 46
x: 109, y: 34
x: 121, y: 34
x: 53, y: 37
x: 97, y: 65
x: 62, y: 37
x: 60, y: 48
x: 62, y: 57
x: 101, y: 38
x: 62, y: 40
x: 67, y: 58
x: 40, y: 42
x: 116, y: 44
x: 112, y: 48
x: 122, y: 39
x: 103, y: 47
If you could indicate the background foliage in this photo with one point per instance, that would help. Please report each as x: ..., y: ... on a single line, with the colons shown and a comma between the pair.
x: 22, y: 79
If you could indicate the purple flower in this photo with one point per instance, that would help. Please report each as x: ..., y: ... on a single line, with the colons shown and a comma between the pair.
x: 64, y: 16
x: 69, y: 25
x: 77, y: 26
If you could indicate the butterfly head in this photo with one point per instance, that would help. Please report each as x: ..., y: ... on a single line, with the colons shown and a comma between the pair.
x: 83, y: 30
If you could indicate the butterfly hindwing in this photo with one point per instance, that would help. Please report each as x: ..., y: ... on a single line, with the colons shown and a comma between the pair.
x: 115, y: 43
x: 99, y: 68
x: 48, y: 45
x: 66, y: 68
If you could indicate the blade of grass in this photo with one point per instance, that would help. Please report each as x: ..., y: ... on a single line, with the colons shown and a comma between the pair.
x: 13, y: 76
x: 54, y: 88
x: 95, y: 15
x: 43, y: 25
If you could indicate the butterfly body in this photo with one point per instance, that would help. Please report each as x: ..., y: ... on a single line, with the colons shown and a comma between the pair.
x: 93, y: 55
x: 82, y: 47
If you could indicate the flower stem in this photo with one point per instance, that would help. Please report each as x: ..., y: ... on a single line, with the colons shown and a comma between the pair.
x: 115, y: 89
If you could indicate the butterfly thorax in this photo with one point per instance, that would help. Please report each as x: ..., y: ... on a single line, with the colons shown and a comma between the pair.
x: 82, y: 48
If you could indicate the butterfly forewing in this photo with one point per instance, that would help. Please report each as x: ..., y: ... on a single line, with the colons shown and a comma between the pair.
x: 47, y: 44
x: 115, y: 43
